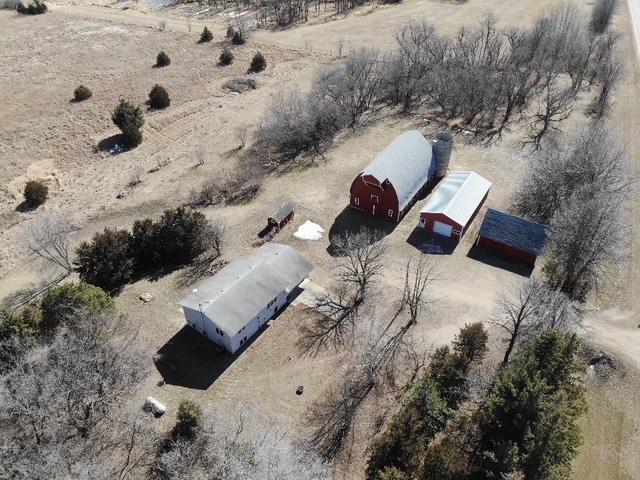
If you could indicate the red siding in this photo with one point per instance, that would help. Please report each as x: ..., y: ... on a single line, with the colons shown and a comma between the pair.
x: 431, y: 218
x: 374, y: 198
x: 458, y: 230
x: 508, y: 251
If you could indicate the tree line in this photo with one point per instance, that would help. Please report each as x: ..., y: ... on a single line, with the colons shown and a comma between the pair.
x: 483, y: 78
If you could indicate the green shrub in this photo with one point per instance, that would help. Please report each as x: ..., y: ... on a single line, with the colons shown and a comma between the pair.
x: 25, y: 322
x: 258, y: 63
x: 62, y: 301
x: 162, y: 60
x: 106, y: 260
x: 188, y: 419
x: 238, y: 38
x: 226, y: 58
x: 159, y: 98
x: 81, y: 93
x: 206, y: 35
x: 129, y: 118
x: 177, y: 237
x: 35, y: 193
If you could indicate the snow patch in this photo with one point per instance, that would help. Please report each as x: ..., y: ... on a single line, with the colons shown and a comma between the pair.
x: 309, y: 231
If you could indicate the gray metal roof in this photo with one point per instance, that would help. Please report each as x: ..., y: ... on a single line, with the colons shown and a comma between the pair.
x: 283, y: 212
x: 238, y: 292
x: 514, y: 231
x: 407, y: 163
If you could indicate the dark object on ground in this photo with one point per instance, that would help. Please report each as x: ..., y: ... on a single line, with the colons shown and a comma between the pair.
x: 35, y: 193
x: 238, y: 38
x: 162, y: 60
x: 230, y: 31
x: 300, y: 390
x: 159, y: 98
x: 226, y: 58
x: 206, y: 35
x: 240, y: 85
x: 129, y: 118
x: 81, y: 93
x: 258, y: 63
x: 38, y: 7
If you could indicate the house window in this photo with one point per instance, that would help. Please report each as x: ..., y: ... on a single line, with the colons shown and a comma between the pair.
x: 356, y: 201
x: 374, y: 198
x: 390, y: 213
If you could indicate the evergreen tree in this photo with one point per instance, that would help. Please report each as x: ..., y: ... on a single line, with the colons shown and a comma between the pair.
x: 258, y: 63
x: 206, y: 35
x: 529, y: 421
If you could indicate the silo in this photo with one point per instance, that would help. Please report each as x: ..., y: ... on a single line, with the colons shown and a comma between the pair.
x: 442, y: 146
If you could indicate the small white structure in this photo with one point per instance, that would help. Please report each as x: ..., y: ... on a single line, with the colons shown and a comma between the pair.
x: 454, y: 203
x: 155, y: 406
x: 235, y: 303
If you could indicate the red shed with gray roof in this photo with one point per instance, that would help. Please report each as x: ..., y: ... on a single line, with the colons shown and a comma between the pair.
x: 390, y: 185
x: 512, y: 236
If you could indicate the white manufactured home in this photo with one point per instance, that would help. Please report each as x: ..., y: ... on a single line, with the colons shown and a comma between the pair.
x: 235, y: 303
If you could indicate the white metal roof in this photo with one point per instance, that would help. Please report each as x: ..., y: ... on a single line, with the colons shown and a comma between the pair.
x: 457, y: 196
x: 238, y: 292
x: 406, y: 162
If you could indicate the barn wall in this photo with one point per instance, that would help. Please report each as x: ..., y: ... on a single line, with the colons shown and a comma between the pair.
x: 508, y: 251
x: 387, y: 198
x: 431, y: 218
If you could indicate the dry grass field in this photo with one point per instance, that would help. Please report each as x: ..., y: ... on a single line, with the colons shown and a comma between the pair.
x: 44, y: 135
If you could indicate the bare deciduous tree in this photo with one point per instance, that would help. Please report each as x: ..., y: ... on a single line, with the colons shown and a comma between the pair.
x: 48, y: 237
x: 352, y: 86
x: 592, y: 157
x: 58, y: 399
x: 608, y: 76
x: 601, y: 14
x: 535, y: 308
x: 556, y: 104
x: 361, y: 261
x: 586, y: 237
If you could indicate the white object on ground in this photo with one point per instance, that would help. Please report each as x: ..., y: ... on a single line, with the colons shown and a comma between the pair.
x: 309, y: 231
x: 146, y: 297
x: 156, y: 406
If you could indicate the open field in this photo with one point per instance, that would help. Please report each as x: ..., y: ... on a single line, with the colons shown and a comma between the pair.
x: 113, y: 51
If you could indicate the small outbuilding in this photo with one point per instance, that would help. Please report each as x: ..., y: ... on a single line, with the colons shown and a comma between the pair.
x: 454, y: 203
x: 235, y: 303
x: 283, y: 215
x: 391, y: 184
x: 514, y: 237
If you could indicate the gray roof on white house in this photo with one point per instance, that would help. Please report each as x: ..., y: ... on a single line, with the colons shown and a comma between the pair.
x: 407, y: 163
x: 238, y: 292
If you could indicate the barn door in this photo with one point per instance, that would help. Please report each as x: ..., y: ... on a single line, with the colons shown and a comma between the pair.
x: 374, y: 202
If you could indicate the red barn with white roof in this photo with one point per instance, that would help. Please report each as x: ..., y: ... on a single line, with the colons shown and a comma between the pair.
x: 454, y: 203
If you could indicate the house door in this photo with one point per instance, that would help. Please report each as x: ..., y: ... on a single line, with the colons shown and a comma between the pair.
x: 442, y: 228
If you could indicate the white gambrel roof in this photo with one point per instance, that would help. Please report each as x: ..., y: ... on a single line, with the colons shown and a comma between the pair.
x: 407, y: 163
x: 238, y: 292
x: 457, y: 196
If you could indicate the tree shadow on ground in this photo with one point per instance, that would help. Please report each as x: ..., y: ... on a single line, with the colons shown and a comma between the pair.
x: 112, y: 145
x: 496, y: 260
x: 26, y: 207
x: 191, y: 360
x: 431, y: 243
x: 351, y: 221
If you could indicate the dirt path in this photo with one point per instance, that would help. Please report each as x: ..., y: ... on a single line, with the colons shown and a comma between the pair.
x: 634, y: 12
